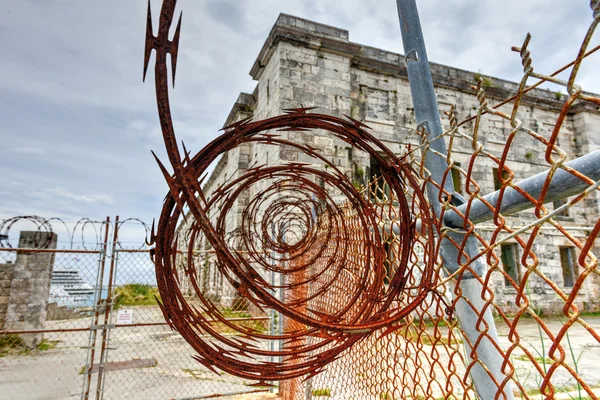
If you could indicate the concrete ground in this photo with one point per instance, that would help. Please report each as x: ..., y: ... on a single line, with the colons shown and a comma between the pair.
x: 152, y: 362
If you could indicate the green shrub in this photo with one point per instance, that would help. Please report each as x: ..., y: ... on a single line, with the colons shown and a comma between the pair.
x: 13, y: 345
x: 326, y: 392
x: 135, y: 294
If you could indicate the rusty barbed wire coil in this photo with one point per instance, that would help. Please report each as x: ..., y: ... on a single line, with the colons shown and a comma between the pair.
x: 303, y: 222
x: 84, y: 232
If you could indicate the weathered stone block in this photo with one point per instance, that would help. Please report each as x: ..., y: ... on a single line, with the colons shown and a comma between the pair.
x: 27, y: 296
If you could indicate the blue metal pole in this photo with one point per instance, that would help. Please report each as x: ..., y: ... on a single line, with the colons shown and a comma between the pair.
x: 563, y: 184
x: 476, y: 320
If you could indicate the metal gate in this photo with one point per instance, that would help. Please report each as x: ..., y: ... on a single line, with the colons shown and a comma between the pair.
x: 103, y: 334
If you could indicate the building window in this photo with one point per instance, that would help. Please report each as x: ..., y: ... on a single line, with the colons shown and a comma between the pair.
x: 387, y: 263
x: 560, y: 203
x: 268, y: 91
x: 380, y: 190
x: 497, y: 181
x: 456, y: 178
x: 378, y: 103
x: 510, y: 263
x: 569, y: 266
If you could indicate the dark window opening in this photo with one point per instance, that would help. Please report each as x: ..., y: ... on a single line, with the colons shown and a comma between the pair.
x: 379, y: 188
x: 569, y: 266
x: 268, y: 91
x: 388, y: 263
x: 497, y: 181
x: 510, y: 263
x: 560, y: 203
x: 456, y: 178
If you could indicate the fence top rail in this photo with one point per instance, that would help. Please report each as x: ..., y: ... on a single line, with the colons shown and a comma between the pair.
x: 141, y: 324
x: 34, y: 250
x: 195, y: 252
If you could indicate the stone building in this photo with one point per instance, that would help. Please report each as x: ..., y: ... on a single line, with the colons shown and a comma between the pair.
x: 304, y: 63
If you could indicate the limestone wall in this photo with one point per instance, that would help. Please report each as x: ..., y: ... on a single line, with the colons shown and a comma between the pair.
x: 25, y: 286
x: 6, y: 274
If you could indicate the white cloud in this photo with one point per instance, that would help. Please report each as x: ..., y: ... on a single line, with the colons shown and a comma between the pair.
x: 78, y: 122
x: 77, y: 197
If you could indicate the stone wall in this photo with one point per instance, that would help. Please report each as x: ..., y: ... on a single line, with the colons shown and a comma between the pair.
x: 6, y: 274
x: 25, y: 286
x: 303, y: 63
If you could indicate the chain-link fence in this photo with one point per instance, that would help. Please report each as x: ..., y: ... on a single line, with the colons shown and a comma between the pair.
x: 46, y: 361
x: 161, y: 363
x: 512, y: 310
x: 85, y: 323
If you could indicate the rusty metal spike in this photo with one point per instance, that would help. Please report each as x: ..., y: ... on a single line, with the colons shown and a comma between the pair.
x: 292, y: 129
x: 174, y: 48
x: 206, y: 363
x: 150, y: 41
x: 299, y: 110
x: 173, y: 186
x: 357, y: 123
x: 236, y: 124
x: 152, y: 239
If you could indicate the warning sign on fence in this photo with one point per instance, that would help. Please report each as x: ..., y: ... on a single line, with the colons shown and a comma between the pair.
x: 125, y: 317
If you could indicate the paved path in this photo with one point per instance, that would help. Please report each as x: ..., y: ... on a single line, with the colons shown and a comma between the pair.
x: 56, y: 373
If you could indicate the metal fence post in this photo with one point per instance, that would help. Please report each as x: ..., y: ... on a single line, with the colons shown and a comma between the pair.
x: 474, y: 316
x: 98, y: 308
x: 107, y: 314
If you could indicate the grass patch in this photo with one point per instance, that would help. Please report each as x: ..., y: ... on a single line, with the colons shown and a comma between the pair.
x: 429, y: 323
x: 233, y: 313
x: 202, y: 375
x: 326, y: 392
x: 539, y: 360
x: 14, y: 345
x: 485, y: 81
x: 47, y: 344
x: 562, y: 389
x: 135, y: 294
x: 259, y: 326
x: 590, y: 314
x: 236, y: 313
x: 411, y: 335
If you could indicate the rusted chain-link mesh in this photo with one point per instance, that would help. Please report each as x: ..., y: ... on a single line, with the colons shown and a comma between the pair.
x: 541, y: 280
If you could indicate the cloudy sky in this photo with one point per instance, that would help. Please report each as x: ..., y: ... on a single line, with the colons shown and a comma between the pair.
x: 78, y: 124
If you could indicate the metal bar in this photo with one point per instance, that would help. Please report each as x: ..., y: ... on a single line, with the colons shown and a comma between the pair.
x: 428, y: 121
x: 89, y: 364
x: 17, y: 332
x: 214, y: 396
x: 107, y: 310
x: 208, y: 322
x: 32, y: 250
x: 24, y: 331
x: 564, y: 184
x: 424, y: 101
x: 178, y: 251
